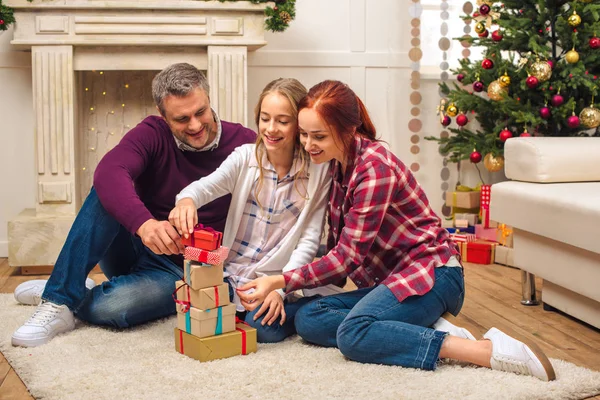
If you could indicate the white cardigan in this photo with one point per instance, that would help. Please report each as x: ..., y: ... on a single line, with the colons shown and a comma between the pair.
x: 301, y: 243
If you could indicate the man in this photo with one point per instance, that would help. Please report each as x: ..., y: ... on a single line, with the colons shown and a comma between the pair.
x: 123, y: 225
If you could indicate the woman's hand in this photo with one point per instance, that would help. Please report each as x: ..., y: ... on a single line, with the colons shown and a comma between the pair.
x: 274, y: 303
x: 184, y: 217
x: 262, y: 286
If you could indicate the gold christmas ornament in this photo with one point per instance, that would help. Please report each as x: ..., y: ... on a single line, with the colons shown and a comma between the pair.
x: 574, y: 20
x: 493, y: 163
x: 572, y: 56
x: 504, y: 80
x: 542, y: 70
x: 590, y: 117
x: 451, y: 111
x: 479, y: 27
x: 496, y: 91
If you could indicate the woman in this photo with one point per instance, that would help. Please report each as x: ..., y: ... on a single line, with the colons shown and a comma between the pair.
x: 385, y: 237
x: 276, y: 215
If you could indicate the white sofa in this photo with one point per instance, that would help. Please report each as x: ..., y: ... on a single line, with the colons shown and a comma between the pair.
x: 553, y: 203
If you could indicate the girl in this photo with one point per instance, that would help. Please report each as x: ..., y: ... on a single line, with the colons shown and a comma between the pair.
x: 276, y: 215
x: 386, y: 238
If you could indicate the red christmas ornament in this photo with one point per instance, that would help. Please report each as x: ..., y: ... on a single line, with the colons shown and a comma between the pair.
x: 573, y: 121
x: 557, y: 100
x: 475, y: 157
x: 551, y: 64
x: 1, y: 22
x: 595, y: 42
x: 484, y: 34
x: 487, y: 64
x: 460, y: 77
x: 462, y: 120
x: 497, y: 36
x: 478, y: 86
x: 446, y: 120
x: 545, y: 113
x: 532, y: 82
x: 484, y: 9
x: 525, y: 134
x: 505, y: 134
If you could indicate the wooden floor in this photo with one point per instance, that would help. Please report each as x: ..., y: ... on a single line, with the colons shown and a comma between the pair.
x: 493, y: 294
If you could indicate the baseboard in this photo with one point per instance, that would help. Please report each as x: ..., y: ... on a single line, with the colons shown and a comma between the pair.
x: 3, y: 248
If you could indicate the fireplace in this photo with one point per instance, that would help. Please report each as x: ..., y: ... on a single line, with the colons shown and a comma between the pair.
x: 69, y: 37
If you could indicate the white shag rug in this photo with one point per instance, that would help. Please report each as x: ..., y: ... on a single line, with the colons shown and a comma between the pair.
x: 142, y: 363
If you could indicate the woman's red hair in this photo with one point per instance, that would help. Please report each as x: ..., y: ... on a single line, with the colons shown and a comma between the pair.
x: 341, y: 109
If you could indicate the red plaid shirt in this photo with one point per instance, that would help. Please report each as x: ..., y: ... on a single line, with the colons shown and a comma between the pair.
x: 381, y: 229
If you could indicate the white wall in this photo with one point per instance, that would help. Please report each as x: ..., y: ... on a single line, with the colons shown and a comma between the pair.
x: 361, y: 42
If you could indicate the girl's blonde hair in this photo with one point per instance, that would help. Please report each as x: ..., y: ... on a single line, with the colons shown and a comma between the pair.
x: 294, y: 91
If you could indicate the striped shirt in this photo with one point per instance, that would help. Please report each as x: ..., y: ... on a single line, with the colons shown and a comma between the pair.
x: 381, y: 229
x: 266, y: 220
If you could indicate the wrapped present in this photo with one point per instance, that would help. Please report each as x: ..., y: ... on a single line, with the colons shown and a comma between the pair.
x: 461, y: 223
x: 215, y: 257
x: 463, y: 237
x: 463, y: 197
x: 200, y: 276
x: 241, y: 341
x: 486, y: 233
x: 505, y: 256
x: 504, y: 235
x: 203, y: 323
x: 469, y: 229
x: 203, y: 299
x: 471, y: 218
x: 203, y: 238
x: 478, y: 252
x: 486, y: 195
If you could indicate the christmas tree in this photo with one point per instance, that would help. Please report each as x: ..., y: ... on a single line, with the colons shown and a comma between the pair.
x: 539, y: 76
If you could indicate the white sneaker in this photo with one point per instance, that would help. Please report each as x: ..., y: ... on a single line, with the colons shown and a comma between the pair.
x: 446, y: 326
x: 47, y: 321
x: 511, y: 355
x: 30, y: 292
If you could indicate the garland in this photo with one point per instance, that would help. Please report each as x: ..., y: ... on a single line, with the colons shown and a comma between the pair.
x: 278, y: 17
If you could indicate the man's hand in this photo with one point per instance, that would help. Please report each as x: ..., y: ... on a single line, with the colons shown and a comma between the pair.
x: 160, y: 237
x: 274, y: 303
x: 184, y: 216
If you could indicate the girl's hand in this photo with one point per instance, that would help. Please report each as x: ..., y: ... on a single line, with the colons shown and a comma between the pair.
x: 184, y: 217
x: 262, y: 287
x: 274, y: 303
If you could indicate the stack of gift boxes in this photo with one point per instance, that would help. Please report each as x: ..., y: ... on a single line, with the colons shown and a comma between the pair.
x: 207, y: 328
x: 484, y: 242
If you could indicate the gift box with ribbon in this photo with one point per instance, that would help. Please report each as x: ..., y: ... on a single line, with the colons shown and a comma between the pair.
x: 478, y: 252
x: 462, y: 237
x: 204, y: 323
x: 463, y: 197
x: 240, y: 341
x: 203, y: 238
x: 200, y: 276
x: 504, y: 235
x: 203, y: 299
x: 505, y: 256
x: 215, y: 257
x: 484, y: 233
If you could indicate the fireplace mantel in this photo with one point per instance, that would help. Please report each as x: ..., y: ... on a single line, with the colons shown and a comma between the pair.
x: 67, y: 36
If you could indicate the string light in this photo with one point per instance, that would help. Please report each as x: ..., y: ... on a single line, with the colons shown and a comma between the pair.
x: 103, y: 93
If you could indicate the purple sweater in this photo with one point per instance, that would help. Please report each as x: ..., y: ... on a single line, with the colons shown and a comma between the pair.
x: 139, y: 178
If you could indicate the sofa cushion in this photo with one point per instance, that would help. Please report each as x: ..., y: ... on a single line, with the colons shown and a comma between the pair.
x: 552, y: 159
x: 567, y: 212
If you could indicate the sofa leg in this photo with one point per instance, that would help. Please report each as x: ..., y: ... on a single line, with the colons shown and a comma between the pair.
x: 528, y: 289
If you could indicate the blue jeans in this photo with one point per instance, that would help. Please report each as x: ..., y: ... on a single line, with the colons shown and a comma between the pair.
x: 275, y: 332
x: 140, y: 282
x: 370, y: 325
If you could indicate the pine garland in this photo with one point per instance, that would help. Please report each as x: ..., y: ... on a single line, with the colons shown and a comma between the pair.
x: 278, y: 17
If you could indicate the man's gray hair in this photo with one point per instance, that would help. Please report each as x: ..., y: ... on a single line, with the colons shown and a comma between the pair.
x: 177, y: 80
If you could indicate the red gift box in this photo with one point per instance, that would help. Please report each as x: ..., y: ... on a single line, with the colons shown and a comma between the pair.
x: 204, y: 239
x: 478, y: 252
x: 208, y: 257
